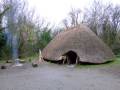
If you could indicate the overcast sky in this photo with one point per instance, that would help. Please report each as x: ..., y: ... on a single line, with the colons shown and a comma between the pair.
x: 56, y: 10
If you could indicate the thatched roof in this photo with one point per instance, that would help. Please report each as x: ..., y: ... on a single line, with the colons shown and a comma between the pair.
x: 81, y: 40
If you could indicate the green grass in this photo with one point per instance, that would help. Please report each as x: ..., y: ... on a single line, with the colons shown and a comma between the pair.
x: 27, y: 59
x: 115, y: 62
x: 2, y: 61
x: 31, y: 58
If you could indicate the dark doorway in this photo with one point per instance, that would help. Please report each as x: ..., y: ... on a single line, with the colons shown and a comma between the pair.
x: 71, y: 57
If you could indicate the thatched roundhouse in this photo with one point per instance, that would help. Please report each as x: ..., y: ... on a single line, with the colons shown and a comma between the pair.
x: 78, y: 42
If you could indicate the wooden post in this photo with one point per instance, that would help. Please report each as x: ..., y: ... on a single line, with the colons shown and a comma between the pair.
x: 64, y: 59
x: 40, y: 56
x: 77, y: 59
x: 68, y: 61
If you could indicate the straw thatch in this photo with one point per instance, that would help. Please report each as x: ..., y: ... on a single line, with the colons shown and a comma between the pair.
x: 81, y: 40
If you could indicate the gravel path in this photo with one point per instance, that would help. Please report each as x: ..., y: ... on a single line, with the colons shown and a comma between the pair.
x: 56, y: 77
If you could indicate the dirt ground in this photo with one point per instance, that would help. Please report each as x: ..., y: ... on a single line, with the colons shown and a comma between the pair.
x: 59, y: 77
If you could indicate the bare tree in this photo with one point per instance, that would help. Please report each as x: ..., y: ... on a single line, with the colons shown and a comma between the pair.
x: 16, y: 7
x: 65, y: 22
x: 116, y: 17
x: 92, y: 16
x: 73, y: 18
x: 74, y: 15
x: 104, y: 20
x: 1, y: 17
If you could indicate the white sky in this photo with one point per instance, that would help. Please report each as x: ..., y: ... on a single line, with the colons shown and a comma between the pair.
x: 55, y: 11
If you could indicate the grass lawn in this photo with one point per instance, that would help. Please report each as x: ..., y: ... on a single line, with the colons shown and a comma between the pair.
x: 2, y: 61
x: 26, y: 59
x: 31, y: 58
x: 115, y: 62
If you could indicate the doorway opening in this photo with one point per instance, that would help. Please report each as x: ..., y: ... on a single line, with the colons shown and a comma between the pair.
x: 71, y: 58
